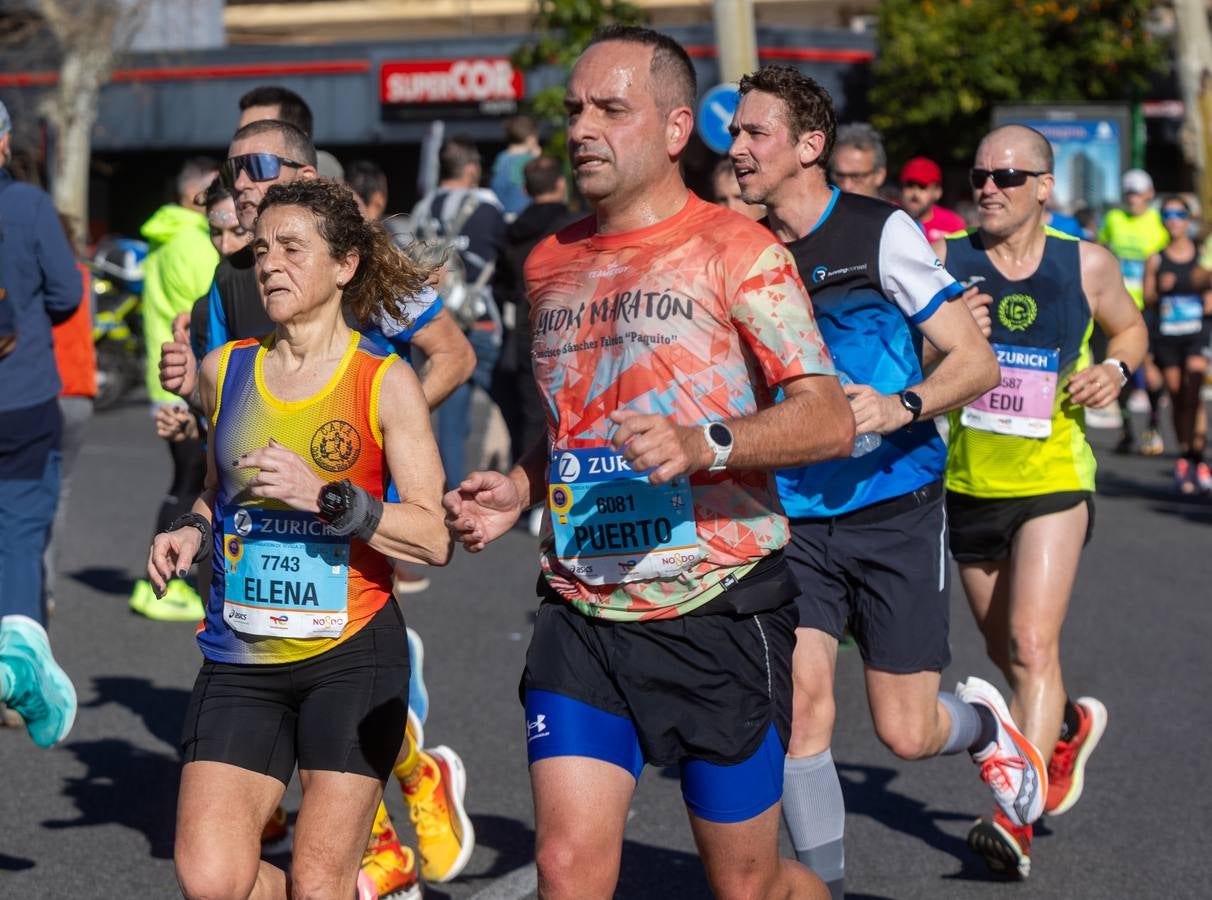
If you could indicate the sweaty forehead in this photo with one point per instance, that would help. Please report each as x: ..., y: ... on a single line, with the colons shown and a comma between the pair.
x: 612, y: 69
x: 1005, y: 151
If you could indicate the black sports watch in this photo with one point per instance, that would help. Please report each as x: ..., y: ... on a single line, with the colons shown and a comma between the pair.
x: 336, y: 500
x: 911, y: 402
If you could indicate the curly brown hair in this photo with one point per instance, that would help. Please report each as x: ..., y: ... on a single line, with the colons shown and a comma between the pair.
x: 384, y: 275
x: 809, y: 106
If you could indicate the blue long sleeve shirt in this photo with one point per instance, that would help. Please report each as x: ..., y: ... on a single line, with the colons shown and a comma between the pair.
x: 43, y: 285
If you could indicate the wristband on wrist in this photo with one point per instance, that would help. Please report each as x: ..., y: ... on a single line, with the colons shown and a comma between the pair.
x: 193, y: 520
x: 1124, y: 371
x: 349, y: 510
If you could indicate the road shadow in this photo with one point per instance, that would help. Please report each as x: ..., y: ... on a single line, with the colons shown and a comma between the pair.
x: 162, y: 709
x: 867, y: 793
x: 14, y: 863
x: 106, y: 579
x: 1161, y: 496
x: 125, y: 785
x: 646, y: 871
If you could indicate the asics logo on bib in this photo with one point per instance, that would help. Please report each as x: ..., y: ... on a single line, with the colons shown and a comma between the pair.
x: 1017, y: 311
x: 537, y: 728
x: 236, y: 615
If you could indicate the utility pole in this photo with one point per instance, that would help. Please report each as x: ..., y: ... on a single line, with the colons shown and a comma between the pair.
x: 735, y: 40
x: 1193, y: 44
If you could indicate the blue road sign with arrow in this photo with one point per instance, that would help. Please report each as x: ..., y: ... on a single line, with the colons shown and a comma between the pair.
x: 715, y: 115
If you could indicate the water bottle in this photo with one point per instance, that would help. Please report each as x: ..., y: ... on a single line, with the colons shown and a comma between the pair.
x: 863, y: 443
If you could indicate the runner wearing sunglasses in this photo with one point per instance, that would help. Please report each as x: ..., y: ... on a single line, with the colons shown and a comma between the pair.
x: 1177, y: 308
x: 1020, y: 474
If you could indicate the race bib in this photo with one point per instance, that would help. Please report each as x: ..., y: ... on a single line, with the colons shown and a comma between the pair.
x: 611, y: 525
x: 1133, y: 271
x: 1022, y: 404
x: 286, y: 576
x: 1181, y: 314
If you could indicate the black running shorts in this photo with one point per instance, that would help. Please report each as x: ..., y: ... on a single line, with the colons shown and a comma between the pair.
x: 882, y: 571
x: 345, y: 710
x: 982, y: 530
x: 1173, y: 352
x: 704, y: 687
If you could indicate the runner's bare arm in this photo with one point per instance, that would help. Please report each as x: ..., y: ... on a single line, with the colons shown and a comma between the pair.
x: 973, y: 298
x: 487, y: 504
x: 812, y: 423
x: 172, y: 553
x: 449, y: 359
x: 412, y: 529
x: 1115, y: 312
x: 1149, y: 285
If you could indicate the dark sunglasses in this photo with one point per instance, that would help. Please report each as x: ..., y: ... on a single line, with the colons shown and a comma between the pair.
x: 1002, y: 178
x: 1175, y: 214
x: 258, y: 166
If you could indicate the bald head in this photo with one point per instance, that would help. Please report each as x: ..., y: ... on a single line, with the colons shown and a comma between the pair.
x: 1029, y: 148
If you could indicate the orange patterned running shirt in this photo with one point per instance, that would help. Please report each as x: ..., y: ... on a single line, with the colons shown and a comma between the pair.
x: 698, y: 318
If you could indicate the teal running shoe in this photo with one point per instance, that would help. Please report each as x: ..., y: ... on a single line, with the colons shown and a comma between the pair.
x: 36, y: 687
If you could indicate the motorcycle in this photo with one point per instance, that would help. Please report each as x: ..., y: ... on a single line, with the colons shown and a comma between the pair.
x: 117, y: 269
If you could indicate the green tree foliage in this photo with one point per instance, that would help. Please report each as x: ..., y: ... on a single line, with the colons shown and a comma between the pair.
x: 563, y: 28
x: 943, y: 64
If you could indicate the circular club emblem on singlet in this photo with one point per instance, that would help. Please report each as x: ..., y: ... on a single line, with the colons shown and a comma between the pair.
x: 1016, y: 311
x: 335, y: 446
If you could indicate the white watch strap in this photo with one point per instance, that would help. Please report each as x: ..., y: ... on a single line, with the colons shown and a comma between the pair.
x: 721, y: 452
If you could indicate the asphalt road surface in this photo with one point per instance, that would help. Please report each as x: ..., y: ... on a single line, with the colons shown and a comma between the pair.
x: 94, y: 817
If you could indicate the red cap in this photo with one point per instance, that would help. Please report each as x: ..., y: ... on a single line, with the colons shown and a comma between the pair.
x: 920, y: 170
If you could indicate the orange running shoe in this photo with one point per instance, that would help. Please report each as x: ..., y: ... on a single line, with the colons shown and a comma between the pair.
x: 1004, y: 846
x: 276, y: 833
x: 1067, y: 768
x: 391, y: 866
x: 434, y: 792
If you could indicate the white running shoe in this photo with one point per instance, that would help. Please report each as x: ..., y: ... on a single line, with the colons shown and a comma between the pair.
x: 1011, y: 766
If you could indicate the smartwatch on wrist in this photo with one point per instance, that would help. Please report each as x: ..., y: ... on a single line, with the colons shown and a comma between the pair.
x: 1124, y: 371
x: 336, y: 500
x: 719, y: 439
x: 911, y: 402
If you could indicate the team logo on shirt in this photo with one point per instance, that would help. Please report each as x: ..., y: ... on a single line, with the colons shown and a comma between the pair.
x: 335, y: 446
x: 1017, y: 311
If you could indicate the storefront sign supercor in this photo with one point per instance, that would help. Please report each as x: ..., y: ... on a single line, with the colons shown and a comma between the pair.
x: 450, y: 81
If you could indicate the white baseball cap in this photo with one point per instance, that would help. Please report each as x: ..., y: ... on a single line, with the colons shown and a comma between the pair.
x: 1137, y: 181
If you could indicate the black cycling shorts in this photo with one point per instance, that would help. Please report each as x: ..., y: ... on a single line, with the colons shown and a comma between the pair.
x: 345, y: 710
x: 698, y: 687
x: 983, y: 530
x: 882, y: 571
